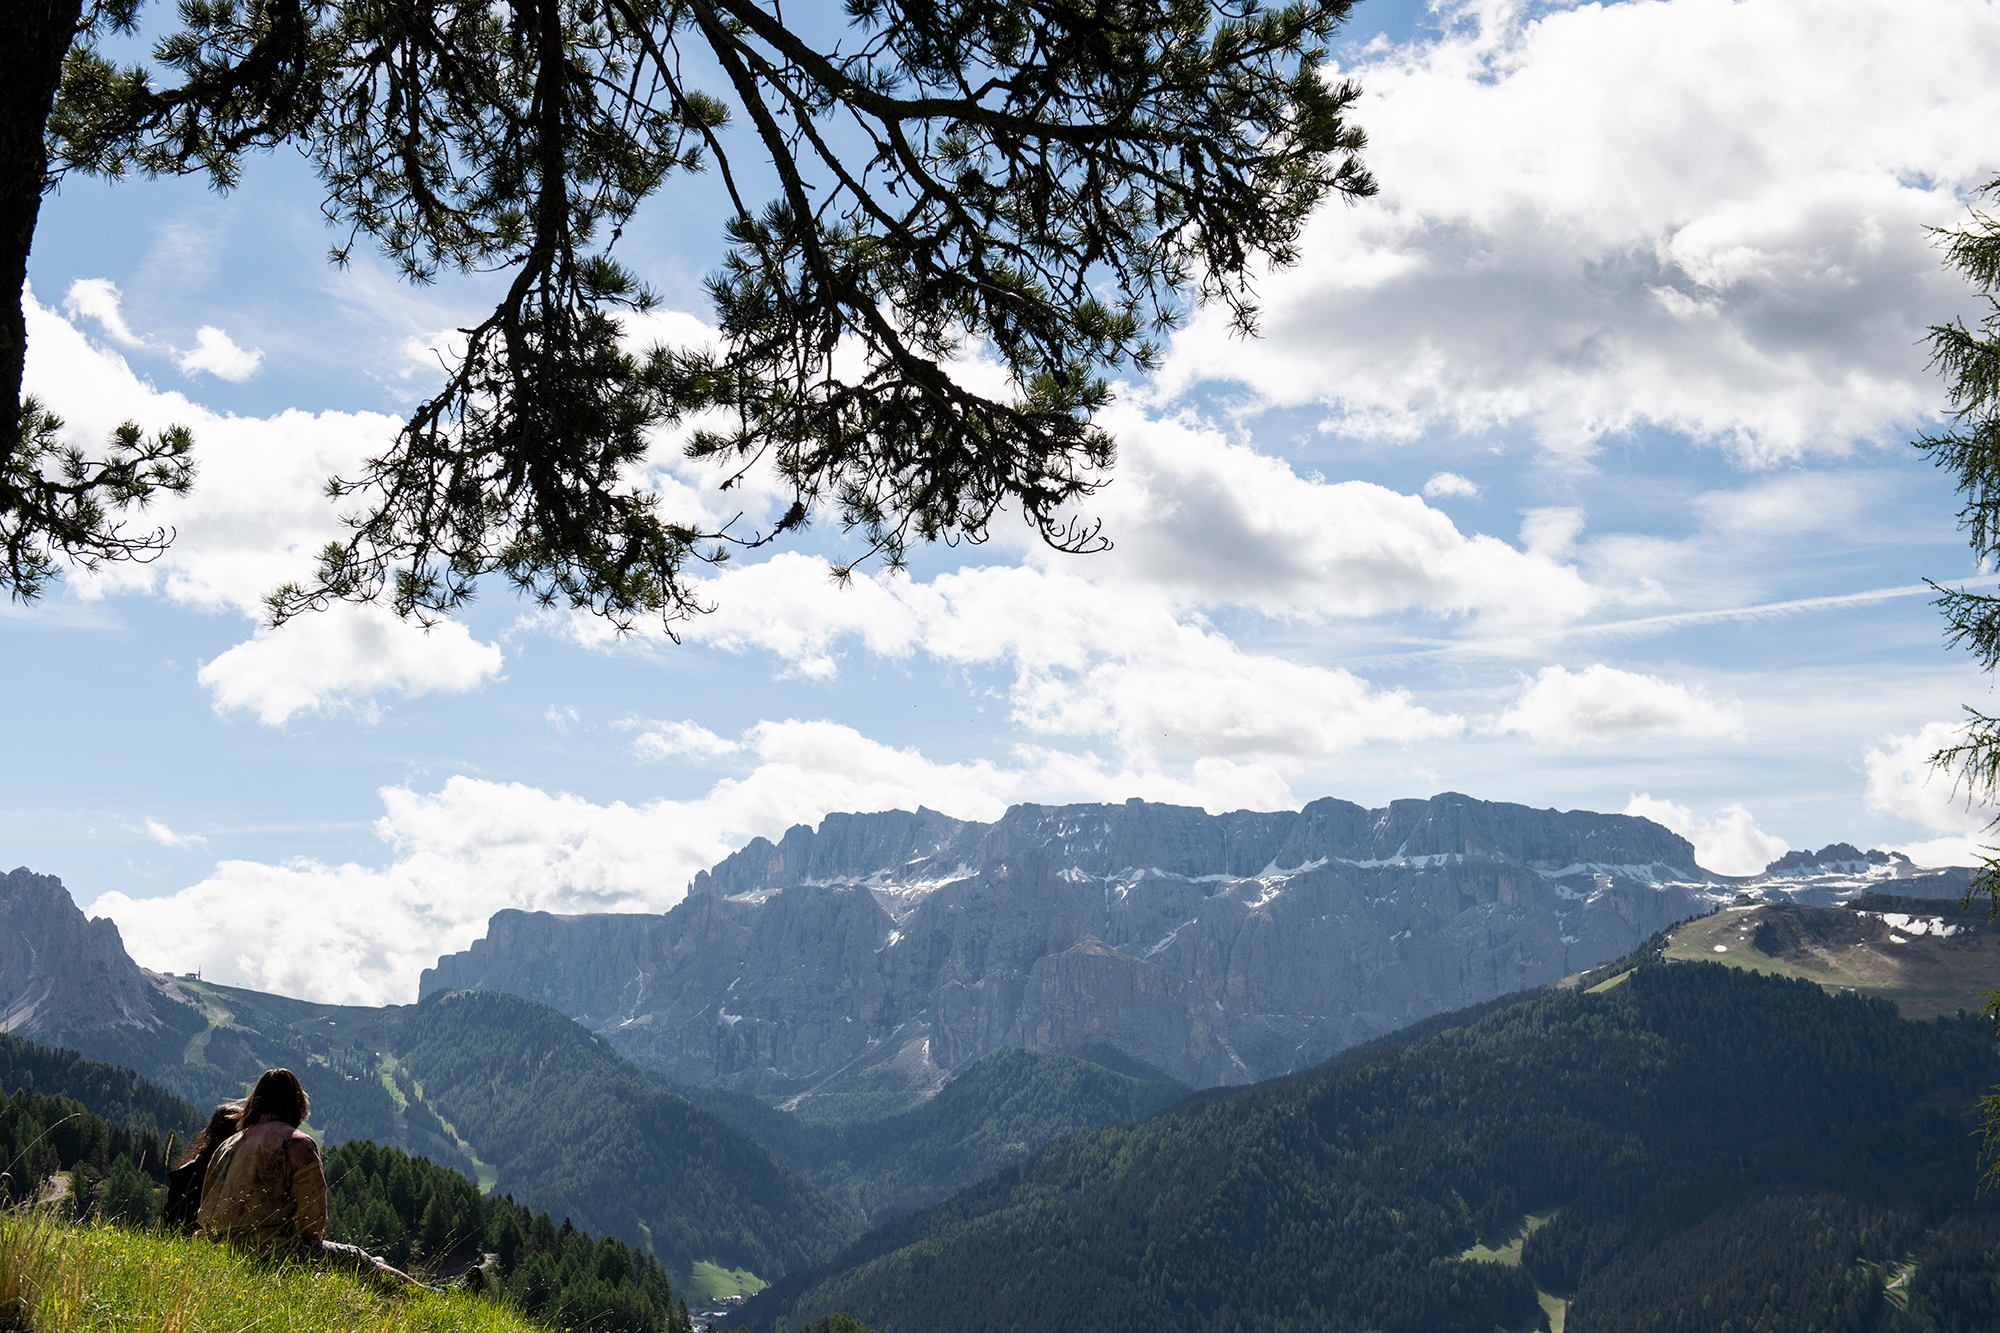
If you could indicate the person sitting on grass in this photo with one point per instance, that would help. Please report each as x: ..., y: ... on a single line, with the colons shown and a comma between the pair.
x: 183, y: 1204
x: 265, y: 1188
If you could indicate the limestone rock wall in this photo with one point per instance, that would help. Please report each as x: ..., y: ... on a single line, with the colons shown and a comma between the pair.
x: 1223, y: 949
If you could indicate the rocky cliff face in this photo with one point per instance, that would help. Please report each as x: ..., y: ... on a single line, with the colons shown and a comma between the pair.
x: 1223, y: 949
x: 63, y: 978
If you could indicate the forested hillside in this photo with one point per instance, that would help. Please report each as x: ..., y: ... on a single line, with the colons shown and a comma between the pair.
x: 521, y: 1099
x: 425, y: 1218
x: 1693, y: 1148
x: 118, y: 1096
x: 571, y: 1126
x: 990, y: 1116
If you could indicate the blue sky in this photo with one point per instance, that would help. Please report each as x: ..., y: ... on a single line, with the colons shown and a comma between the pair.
x: 1571, y: 470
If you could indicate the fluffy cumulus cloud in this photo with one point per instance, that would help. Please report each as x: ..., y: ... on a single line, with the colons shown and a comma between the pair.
x: 1088, y: 661
x: 655, y: 741
x: 1901, y: 782
x: 257, y: 517
x: 1602, y: 703
x: 1445, y: 484
x: 345, y: 659
x: 1727, y: 842
x: 217, y: 354
x: 474, y: 847
x: 1603, y: 216
x: 1214, y: 522
x: 214, y: 353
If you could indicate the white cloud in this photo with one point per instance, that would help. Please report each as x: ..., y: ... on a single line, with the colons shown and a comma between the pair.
x: 1602, y: 703
x: 1788, y: 506
x: 1444, y: 484
x: 99, y: 299
x: 474, y: 847
x: 256, y: 516
x: 166, y: 837
x: 216, y: 353
x: 1727, y: 842
x: 1088, y: 660
x: 1901, y: 782
x: 561, y: 717
x: 1210, y: 522
x: 1608, y: 216
x: 341, y: 660
x: 675, y: 740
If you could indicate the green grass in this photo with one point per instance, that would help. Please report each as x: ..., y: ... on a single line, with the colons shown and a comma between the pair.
x: 713, y: 1282
x: 1603, y: 986
x: 96, y: 1279
x: 1508, y: 1251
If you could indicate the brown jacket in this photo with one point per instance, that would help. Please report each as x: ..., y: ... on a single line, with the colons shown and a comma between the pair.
x: 265, y: 1187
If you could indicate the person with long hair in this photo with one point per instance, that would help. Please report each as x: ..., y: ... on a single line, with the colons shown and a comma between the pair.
x: 265, y: 1187
x: 184, y: 1180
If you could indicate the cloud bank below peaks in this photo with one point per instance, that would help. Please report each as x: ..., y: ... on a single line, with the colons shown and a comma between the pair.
x: 474, y: 847
x: 1703, y: 215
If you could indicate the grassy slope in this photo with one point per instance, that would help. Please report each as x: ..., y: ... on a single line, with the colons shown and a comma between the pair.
x: 89, y: 1278
x: 1924, y: 976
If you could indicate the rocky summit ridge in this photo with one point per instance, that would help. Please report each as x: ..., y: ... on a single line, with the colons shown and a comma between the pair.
x: 1222, y: 949
x: 65, y: 979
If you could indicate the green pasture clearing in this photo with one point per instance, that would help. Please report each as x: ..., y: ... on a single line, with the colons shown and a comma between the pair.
x: 1603, y: 986
x: 1508, y: 1251
x: 713, y: 1282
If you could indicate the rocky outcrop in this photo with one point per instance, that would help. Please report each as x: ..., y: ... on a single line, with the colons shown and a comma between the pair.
x: 64, y: 978
x: 1220, y: 948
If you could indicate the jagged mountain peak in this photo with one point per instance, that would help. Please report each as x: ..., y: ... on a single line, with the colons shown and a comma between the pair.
x: 63, y: 975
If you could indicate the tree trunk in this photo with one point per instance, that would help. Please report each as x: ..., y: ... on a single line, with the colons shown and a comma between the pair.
x: 38, y: 34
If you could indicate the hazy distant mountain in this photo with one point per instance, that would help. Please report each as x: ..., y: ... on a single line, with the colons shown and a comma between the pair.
x: 857, y: 964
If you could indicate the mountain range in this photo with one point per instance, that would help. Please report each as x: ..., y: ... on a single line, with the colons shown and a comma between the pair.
x: 849, y: 969
x: 859, y: 1020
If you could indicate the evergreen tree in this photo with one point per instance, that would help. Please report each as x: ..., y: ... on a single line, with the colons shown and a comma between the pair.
x: 1043, y: 183
x: 1969, y: 360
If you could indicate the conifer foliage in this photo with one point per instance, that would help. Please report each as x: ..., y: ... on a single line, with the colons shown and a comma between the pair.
x: 1043, y: 184
x: 1969, y: 360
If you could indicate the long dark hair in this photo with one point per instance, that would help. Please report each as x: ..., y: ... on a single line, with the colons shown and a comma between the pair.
x: 221, y: 1124
x: 278, y: 1096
